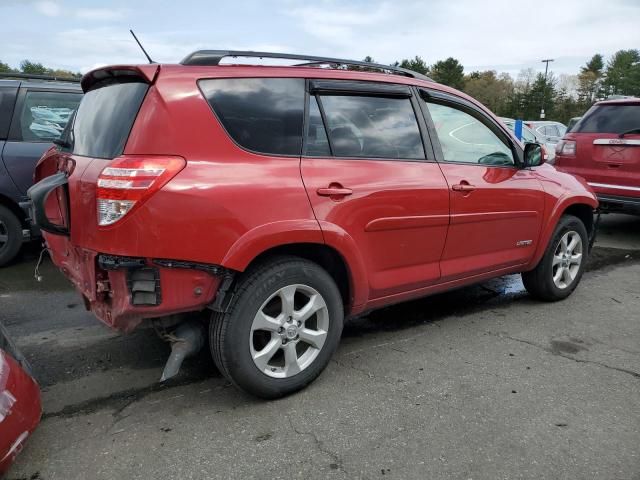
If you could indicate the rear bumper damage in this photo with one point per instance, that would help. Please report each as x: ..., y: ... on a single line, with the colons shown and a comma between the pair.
x: 20, y: 406
x: 125, y: 291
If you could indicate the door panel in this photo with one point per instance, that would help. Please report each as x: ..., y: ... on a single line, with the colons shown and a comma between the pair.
x: 397, y: 214
x: 20, y: 159
x: 496, y: 207
x: 496, y: 224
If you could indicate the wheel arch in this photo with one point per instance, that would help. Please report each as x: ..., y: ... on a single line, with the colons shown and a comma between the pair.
x: 14, y: 208
x: 581, y: 206
x: 331, y: 248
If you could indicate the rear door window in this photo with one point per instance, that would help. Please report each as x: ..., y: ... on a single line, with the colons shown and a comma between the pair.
x: 104, y: 119
x: 45, y: 114
x: 609, y: 119
x: 263, y: 115
x: 372, y: 127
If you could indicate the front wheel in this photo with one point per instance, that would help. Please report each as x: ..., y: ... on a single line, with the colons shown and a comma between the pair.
x: 279, y: 331
x: 562, y: 266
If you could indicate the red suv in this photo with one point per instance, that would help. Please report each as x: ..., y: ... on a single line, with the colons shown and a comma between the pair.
x: 604, y: 148
x: 286, y: 198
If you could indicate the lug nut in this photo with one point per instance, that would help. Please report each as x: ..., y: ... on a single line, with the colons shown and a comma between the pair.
x: 299, y: 323
x: 284, y: 341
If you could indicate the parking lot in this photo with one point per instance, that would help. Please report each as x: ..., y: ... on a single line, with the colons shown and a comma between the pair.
x: 477, y: 383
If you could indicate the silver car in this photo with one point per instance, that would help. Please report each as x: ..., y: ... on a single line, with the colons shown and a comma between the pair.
x: 551, y: 131
x: 529, y: 135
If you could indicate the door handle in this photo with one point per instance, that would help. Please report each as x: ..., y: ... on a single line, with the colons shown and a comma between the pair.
x: 334, y: 191
x: 463, y: 187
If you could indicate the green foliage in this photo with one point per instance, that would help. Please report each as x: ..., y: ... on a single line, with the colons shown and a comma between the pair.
x: 416, y: 64
x: 448, y: 72
x: 623, y: 74
x: 26, y: 66
x: 4, y: 68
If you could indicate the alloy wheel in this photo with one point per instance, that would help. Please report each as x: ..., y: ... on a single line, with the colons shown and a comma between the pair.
x: 289, y: 331
x: 567, y: 259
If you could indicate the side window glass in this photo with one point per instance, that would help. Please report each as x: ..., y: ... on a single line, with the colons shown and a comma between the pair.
x: 465, y: 139
x: 372, y: 127
x: 261, y: 114
x: 45, y: 114
x: 7, y: 101
x: 527, y: 135
x: 552, y: 131
x: 317, y: 142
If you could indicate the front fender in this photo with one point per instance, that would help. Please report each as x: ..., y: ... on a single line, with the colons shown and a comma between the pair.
x: 560, y: 206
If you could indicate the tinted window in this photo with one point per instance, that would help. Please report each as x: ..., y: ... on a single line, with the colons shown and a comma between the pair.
x: 7, y: 101
x: 317, y: 142
x: 372, y: 127
x: 45, y: 114
x: 609, y: 119
x: 261, y: 114
x: 104, y: 119
x: 465, y: 139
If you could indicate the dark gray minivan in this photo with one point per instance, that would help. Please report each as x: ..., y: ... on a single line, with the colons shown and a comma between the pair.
x: 33, y: 113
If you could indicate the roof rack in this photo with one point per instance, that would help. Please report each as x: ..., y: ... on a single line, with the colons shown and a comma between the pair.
x: 213, y: 57
x: 30, y: 76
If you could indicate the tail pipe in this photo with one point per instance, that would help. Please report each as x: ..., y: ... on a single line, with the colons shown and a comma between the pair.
x: 186, y: 340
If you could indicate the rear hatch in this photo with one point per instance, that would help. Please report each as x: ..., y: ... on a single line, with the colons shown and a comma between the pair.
x: 96, y: 135
x: 607, y: 149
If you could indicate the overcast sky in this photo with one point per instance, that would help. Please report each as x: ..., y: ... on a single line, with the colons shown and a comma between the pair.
x: 504, y: 35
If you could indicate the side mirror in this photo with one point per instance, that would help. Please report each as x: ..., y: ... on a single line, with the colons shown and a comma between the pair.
x: 533, y: 155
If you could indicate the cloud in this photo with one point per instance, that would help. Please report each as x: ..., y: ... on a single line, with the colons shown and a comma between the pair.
x: 103, y: 14
x: 48, y: 8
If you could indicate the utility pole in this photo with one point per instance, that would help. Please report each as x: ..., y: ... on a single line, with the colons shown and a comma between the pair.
x: 544, y: 90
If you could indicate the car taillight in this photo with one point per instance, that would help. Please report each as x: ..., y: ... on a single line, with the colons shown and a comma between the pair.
x: 545, y: 155
x: 129, y: 180
x: 566, y: 147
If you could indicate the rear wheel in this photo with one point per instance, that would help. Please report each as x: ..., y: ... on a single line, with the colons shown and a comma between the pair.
x: 562, y: 266
x: 282, y: 326
x: 10, y: 235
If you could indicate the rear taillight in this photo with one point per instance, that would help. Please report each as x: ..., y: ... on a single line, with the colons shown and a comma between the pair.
x: 545, y: 155
x: 129, y: 180
x: 566, y: 147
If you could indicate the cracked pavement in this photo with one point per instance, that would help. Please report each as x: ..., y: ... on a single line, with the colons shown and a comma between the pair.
x: 480, y: 383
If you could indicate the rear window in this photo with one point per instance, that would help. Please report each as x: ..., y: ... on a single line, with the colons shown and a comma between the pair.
x: 261, y: 114
x: 104, y: 119
x: 609, y: 119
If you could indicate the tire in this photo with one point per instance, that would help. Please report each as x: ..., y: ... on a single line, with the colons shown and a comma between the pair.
x: 557, y: 275
x: 253, y: 343
x: 10, y: 235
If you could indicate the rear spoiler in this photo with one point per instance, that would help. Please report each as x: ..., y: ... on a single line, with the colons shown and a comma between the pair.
x: 146, y: 73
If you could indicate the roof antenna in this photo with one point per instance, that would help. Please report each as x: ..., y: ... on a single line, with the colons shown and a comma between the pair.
x: 141, y: 47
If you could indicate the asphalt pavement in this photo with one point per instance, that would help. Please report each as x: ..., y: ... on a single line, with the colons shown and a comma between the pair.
x: 479, y: 383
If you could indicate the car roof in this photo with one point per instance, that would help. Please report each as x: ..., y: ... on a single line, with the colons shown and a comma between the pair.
x: 41, y: 84
x: 620, y: 101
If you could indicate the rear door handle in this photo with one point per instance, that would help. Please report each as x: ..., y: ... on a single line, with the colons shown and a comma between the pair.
x: 463, y: 187
x: 334, y: 192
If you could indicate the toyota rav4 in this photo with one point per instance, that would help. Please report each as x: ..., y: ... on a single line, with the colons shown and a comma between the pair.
x: 283, y: 199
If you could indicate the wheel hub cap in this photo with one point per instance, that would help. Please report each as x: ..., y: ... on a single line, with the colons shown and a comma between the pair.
x: 567, y: 259
x: 288, y: 331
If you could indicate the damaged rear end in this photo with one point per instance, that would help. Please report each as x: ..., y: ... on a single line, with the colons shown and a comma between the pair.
x: 101, y: 203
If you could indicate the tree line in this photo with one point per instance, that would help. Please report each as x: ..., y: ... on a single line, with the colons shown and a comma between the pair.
x: 562, y: 97
x: 35, y: 68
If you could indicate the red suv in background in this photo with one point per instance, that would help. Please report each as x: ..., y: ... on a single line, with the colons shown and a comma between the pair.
x: 604, y: 148
x: 286, y: 198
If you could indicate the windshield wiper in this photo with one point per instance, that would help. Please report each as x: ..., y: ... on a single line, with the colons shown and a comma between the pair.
x: 633, y: 130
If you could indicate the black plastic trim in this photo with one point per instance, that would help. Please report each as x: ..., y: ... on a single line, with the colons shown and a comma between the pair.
x: 370, y: 89
x: 38, y: 194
